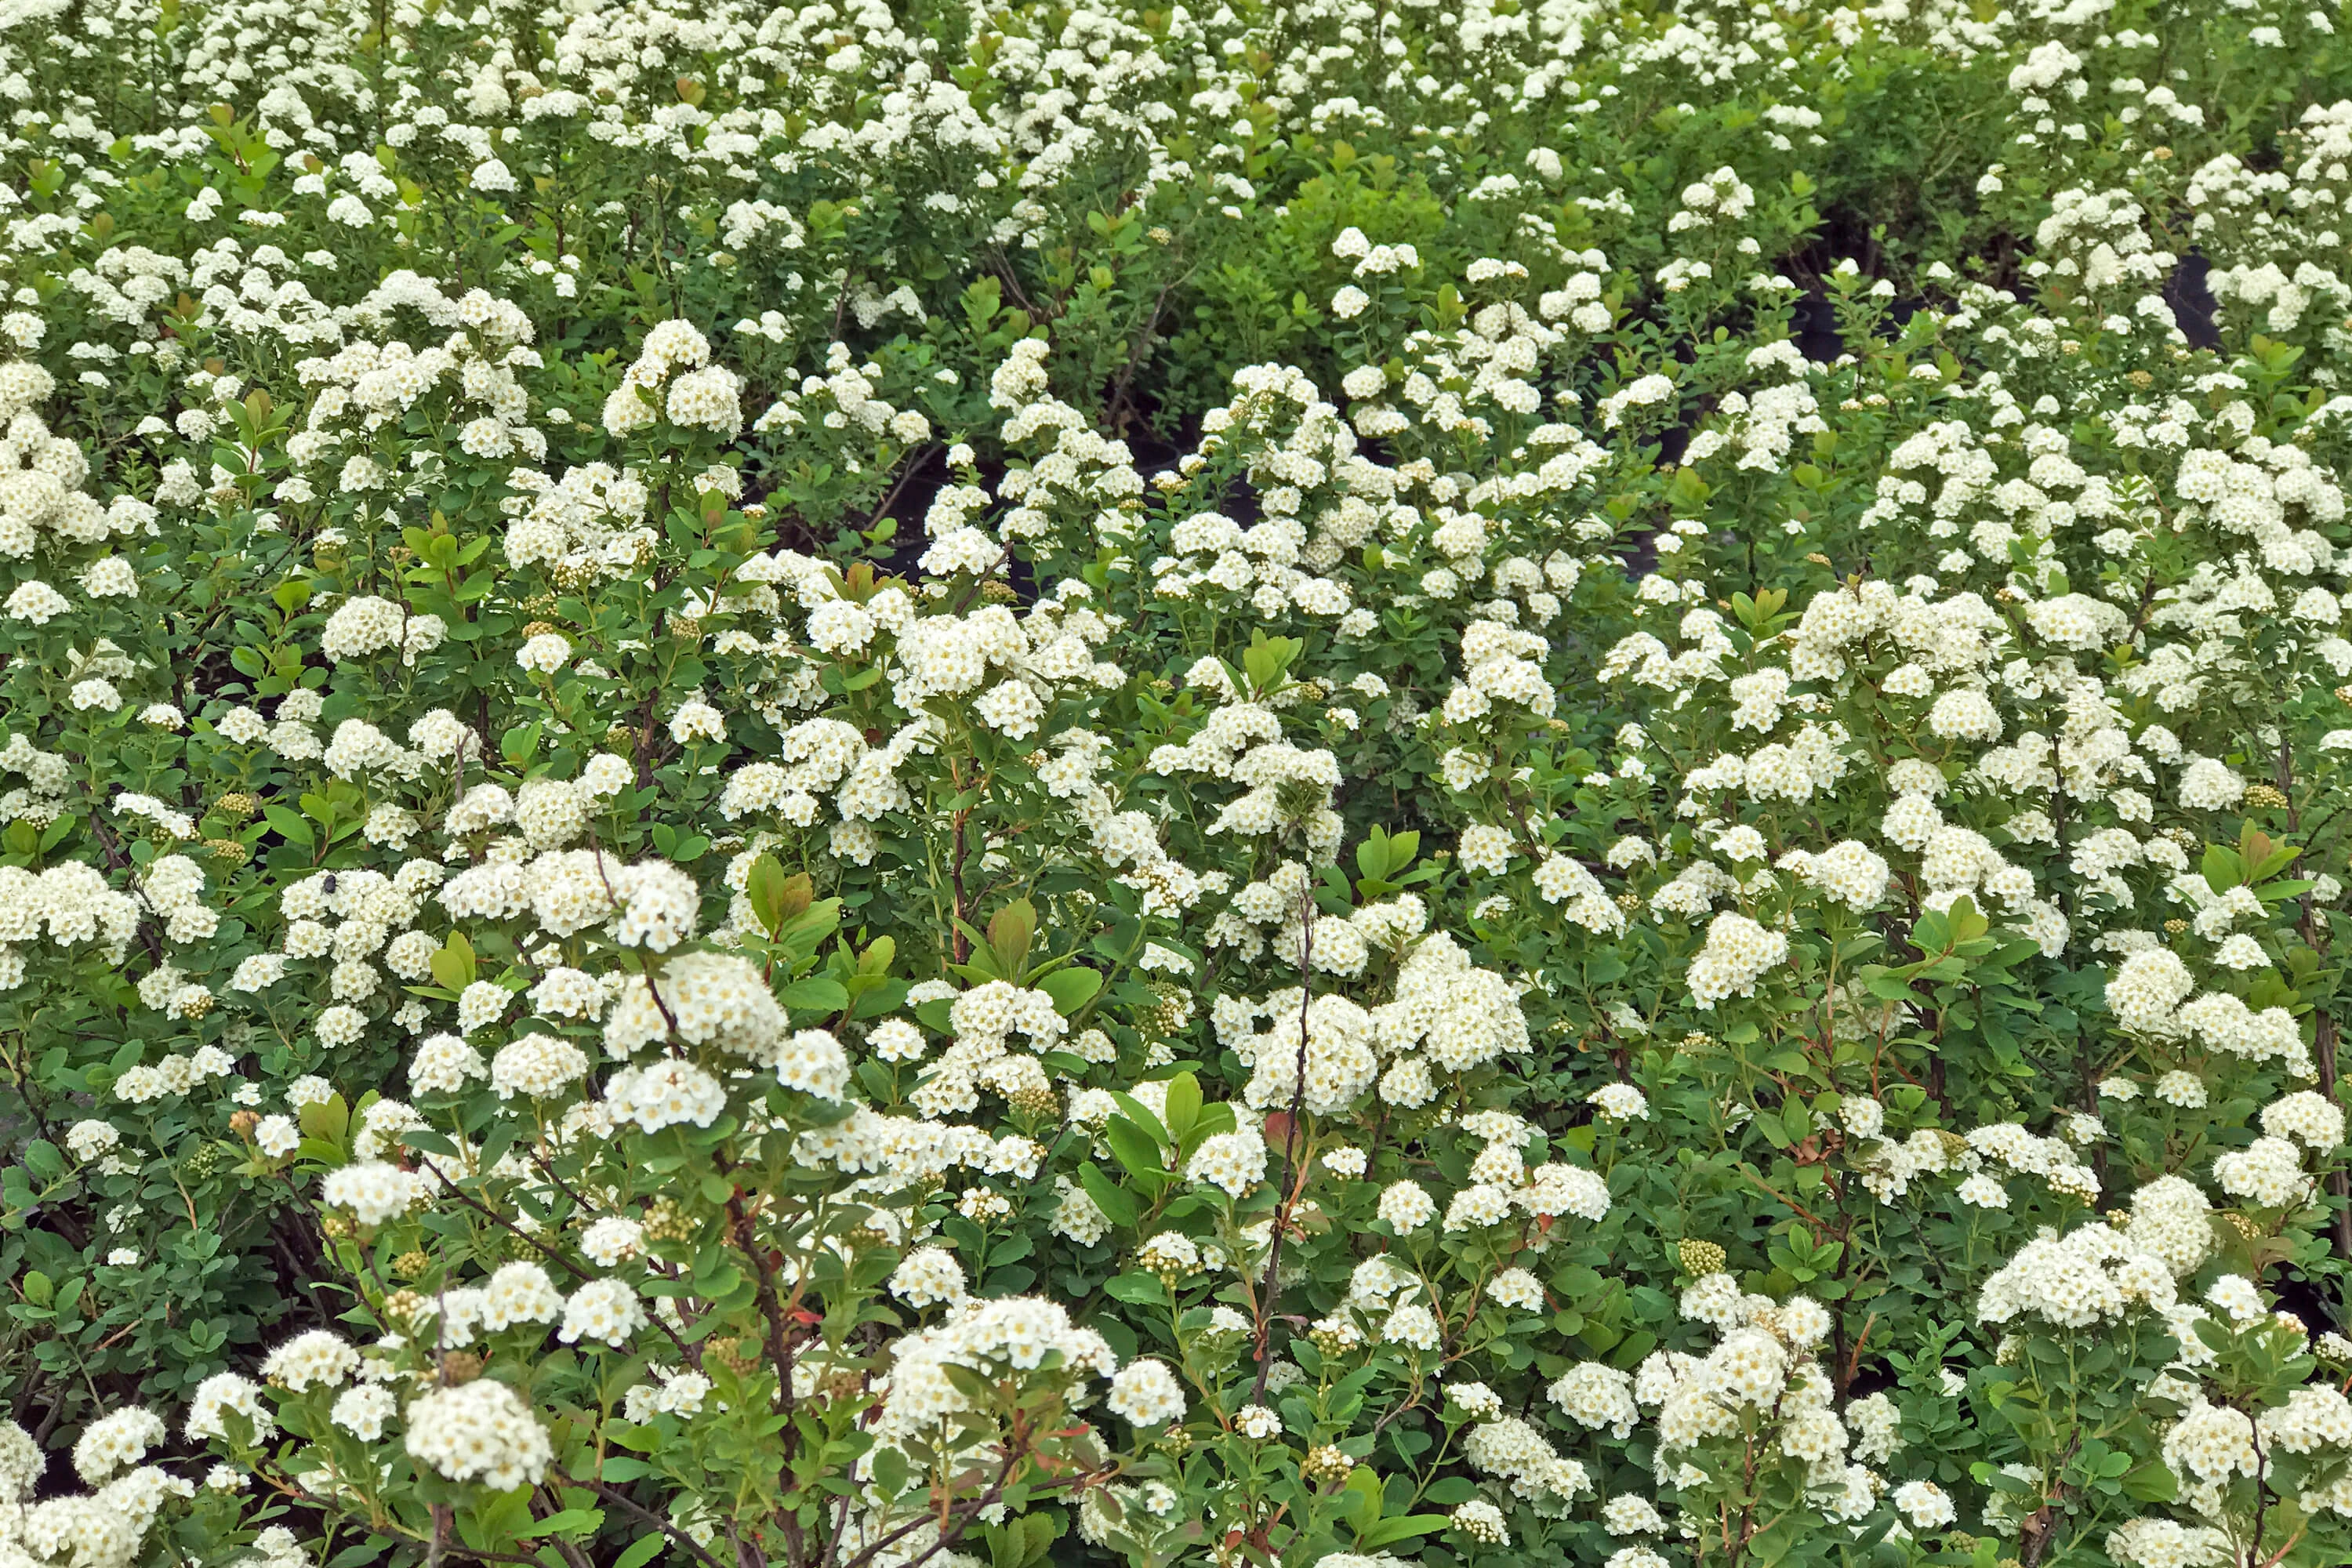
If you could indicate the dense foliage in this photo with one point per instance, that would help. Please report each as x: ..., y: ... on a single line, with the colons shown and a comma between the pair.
x: 1326, y: 786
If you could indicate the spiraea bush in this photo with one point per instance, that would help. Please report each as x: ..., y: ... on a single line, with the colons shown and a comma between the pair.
x: 1324, y: 785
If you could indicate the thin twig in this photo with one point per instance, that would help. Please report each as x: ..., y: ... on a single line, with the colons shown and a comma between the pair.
x: 615, y: 1495
x: 1289, y: 1147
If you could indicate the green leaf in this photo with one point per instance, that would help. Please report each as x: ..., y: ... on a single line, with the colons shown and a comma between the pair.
x: 1966, y: 924
x: 453, y: 963
x: 1116, y: 1202
x: 1010, y: 931
x: 1137, y: 1290
x: 290, y: 826
x: 804, y: 933
x: 1412, y: 1526
x: 1267, y: 658
x: 2151, y: 1482
x: 326, y: 1121
x: 1071, y: 988
x: 570, y: 1522
x: 775, y: 897
x: 641, y: 1551
x: 816, y: 992
x: 1134, y: 1147
x: 1183, y: 1106
x: 2223, y: 870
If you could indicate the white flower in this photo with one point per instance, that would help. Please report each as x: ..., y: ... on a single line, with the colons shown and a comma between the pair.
x: 314, y: 1359
x: 544, y: 654
x: 1146, y: 1393
x: 225, y: 1394
x: 1406, y: 1207
x: 373, y: 1191
x: 116, y: 1441
x: 929, y: 1276
x: 1927, y: 1505
x: 478, y: 1431
x: 1619, y: 1102
x: 605, y: 1310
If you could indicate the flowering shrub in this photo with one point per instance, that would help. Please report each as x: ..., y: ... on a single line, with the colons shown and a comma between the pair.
x: 849, y: 788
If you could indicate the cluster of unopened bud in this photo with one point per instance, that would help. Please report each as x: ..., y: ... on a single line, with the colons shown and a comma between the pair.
x: 1170, y: 1266
x: 1035, y: 1101
x: 666, y: 1221
x: 737, y: 1355
x: 1334, y: 1340
x: 1700, y: 1259
x: 1325, y: 1462
x: 1174, y: 1009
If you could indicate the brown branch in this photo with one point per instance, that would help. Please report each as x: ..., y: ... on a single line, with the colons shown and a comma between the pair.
x: 615, y: 1495
x: 544, y: 1250
x: 970, y: 1509
x: 922, y: 460
x: 1289, y: 1147
x: 742, y: 1231
x: 1112, y: 410
x: 1853, y: 1360
x: 499, y: 1219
